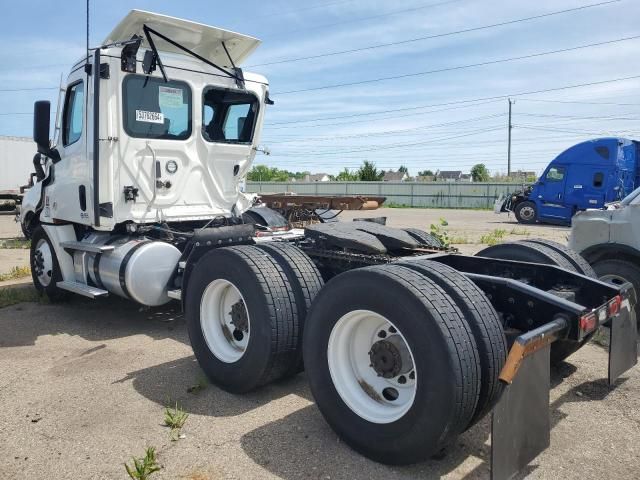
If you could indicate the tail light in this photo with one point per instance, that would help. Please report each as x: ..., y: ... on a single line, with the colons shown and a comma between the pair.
x: 614, y: 305
x: 588, y: 322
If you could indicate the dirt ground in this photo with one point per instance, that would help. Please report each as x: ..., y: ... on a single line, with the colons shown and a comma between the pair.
x: 84, y: 385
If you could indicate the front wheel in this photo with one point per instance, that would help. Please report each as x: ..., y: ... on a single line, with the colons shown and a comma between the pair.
x: 618, y: 272
x: 45, y: 270
x: 526, y: 212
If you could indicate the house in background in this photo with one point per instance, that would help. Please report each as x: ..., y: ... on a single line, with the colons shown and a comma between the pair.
x: 448, y: 175
x: 392, y: 176
x: 317, y: 177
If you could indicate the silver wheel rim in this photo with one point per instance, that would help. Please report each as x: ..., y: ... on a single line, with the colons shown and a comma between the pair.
x: 224, y: 321
x: 43, y: 262
x: 362, y: 388
x: 527, y: 213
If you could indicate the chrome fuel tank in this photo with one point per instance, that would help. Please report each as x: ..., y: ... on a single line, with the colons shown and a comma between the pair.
x: 138, y: 268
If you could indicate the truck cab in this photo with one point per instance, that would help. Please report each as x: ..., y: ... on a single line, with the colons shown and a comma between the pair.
x: 587, y: 175
x: 151, y: 133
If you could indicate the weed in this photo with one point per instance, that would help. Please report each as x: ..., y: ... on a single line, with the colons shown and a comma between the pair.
x: 174, y: 419
x: 15, y: 243
x: 12, y: 296
x: 494, y: 237
x: 198, y: 387
x: 142, y: 468
x: 14, y: 273
x: 516, y: 231
x: 438, y: 231
x: 459, y: 240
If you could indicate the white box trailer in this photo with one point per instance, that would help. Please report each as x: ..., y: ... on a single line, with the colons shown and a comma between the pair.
x: 16, y: 154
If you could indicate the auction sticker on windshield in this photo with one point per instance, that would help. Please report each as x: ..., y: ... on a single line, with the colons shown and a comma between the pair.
x: 149, y: 117
x: 170, y: 97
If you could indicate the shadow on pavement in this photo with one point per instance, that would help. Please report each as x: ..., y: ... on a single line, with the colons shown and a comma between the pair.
x: 94, y: 320
x: 184, y: 382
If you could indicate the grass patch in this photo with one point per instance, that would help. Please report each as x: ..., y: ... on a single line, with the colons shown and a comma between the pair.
x: 174, y: 418
x: 198, y: 387
x: 143, y: 467
x: 14, y: 273
x: 494, y: 237
x: 13, y: 296
x: 459, y: 240
x: 439, y: 231
x: 15, y: 243
x: 519, y: 231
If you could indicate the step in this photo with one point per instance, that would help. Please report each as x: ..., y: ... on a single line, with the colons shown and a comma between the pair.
x: 175, y: 294
x: 87, y: 247
x: 82, y: 289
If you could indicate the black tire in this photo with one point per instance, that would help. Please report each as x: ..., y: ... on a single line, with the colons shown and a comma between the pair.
x: 424, y: 238
x: 54, y: 274
x: 272, y: 311
x: 620, y: 270
x: 527, y: 252
x: 536, y: 253
x: 521, y: 211
x: 577, y: 260
x: 484, y: 322
x: 444, y: 352
x: 305, y: 279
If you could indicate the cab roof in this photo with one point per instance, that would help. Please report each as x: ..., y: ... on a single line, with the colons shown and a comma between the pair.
x: 202, y: 39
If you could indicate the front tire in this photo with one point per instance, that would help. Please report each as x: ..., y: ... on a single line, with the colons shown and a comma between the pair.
x: 526, y: 212
x: 45, y: 270
x: 618, y: 272
x: 391, y: 362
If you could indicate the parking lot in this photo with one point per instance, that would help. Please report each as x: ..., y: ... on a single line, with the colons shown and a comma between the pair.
x: 85, y: 384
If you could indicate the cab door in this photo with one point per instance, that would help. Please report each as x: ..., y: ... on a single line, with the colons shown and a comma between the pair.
x: 69, y: 195
x: 551, y: 194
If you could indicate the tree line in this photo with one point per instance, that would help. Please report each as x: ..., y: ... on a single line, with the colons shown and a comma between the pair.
x: 368, y: 172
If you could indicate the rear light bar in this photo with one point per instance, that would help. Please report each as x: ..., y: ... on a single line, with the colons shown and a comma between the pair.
x: 592, y: 320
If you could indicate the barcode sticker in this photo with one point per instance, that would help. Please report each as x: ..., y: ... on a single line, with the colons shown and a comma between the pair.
x: 149, y: 117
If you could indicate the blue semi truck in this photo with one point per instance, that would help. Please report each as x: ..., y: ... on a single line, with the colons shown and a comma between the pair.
x: 587, y: 175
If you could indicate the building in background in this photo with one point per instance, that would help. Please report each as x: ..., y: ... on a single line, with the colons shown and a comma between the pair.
x: 317, y: 177
x: 392, y: 176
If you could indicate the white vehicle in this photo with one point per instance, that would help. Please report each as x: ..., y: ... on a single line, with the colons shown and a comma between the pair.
x: 610, y: 240
x: 404, y: 349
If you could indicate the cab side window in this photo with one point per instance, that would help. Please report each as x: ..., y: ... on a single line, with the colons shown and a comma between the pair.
x: 598, y: 179
x: 73, y: 118
x: 555, y: 174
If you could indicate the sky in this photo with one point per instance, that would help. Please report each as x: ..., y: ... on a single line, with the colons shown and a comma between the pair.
x: 445, y: 112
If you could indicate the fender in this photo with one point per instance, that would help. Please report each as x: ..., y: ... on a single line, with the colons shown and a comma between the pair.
x: 616, y: 250
x: 58, y: 234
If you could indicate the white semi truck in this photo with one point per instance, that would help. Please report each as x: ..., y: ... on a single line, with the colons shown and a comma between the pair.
x: 405, y: 344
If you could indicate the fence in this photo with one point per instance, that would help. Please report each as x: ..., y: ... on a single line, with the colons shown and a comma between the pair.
x: 411, y: 194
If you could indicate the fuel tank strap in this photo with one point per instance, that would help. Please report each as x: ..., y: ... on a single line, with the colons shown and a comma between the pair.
x: 123, y: 267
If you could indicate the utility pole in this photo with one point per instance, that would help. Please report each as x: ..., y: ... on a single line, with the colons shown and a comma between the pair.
x: 511, y: 102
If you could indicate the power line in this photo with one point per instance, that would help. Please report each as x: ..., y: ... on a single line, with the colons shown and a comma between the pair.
x: 389, y: 132
x: 458, y: 67
x: 362, y: 19
x: 581, y: 102
x: 429, y: 37
x: 480, y: 99
x: 27, y: 89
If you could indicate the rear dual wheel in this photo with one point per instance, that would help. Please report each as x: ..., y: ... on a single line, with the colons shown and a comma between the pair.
x: 551, y: 253
x: 244, y: 308
x: 393, y: 362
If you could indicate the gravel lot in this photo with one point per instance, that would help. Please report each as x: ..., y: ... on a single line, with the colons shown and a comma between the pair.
x: 85, y: 383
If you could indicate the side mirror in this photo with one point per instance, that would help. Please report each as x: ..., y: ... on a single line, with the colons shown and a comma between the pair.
x: 41, y: 125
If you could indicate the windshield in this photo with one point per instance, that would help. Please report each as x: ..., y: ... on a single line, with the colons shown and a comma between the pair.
x: 154, y: 108
x: 631, y: 197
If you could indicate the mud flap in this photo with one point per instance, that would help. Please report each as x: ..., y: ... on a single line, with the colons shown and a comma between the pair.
x: 520, y: 423
x: 623, y: 343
